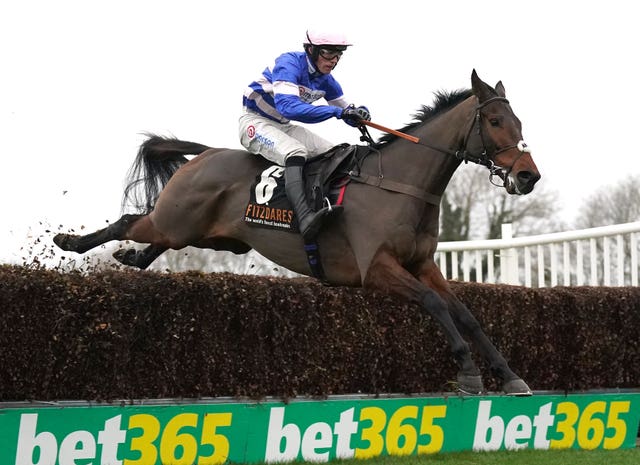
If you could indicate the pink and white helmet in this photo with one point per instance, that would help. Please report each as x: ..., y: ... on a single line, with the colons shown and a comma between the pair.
x: 326, y: 38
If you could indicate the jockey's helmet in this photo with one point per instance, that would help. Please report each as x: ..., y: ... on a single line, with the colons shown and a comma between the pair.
x: 329, y: 45
x: 326, y: 39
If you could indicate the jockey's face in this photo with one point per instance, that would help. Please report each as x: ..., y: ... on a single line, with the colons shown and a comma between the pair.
x: 327, y: 60
x: 329, y: 53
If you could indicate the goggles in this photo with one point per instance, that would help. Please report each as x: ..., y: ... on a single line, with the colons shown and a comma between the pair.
x: 329, y: 53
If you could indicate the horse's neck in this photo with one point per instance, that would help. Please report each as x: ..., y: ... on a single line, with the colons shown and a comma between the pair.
x: 424, y: 165
x: 449, y: 129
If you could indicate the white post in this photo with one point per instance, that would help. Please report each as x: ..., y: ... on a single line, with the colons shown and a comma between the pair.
x: 509, y: 259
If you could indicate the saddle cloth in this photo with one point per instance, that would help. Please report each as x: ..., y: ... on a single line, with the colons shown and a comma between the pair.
x: 326, y: 177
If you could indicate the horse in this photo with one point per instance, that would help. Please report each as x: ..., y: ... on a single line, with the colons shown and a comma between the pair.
x: 386, y: 236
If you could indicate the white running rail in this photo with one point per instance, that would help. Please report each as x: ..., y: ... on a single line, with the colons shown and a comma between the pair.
x: 604, y: 256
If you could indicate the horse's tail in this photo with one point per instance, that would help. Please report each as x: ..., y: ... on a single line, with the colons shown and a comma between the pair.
x: 157, y: 160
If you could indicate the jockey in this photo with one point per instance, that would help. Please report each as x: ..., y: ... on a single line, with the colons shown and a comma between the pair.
x: 285, y: 92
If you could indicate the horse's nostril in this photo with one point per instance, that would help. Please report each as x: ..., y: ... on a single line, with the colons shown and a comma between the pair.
x: 528, y: 176
x: 524, y: 176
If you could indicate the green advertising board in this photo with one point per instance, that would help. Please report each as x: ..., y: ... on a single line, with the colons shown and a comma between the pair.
x: 213, y: 432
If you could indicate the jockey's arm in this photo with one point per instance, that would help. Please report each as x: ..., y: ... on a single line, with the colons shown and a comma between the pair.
x: 290, y: 105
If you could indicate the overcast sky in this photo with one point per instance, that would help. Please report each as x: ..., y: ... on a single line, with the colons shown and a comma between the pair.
x: 81, y: 80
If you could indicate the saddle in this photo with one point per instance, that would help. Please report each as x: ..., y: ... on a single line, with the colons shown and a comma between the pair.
x: 326, y: 177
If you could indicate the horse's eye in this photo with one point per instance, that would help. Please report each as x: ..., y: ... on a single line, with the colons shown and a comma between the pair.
x: 495, y: 122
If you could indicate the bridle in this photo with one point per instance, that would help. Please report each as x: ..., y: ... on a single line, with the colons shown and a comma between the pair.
x: 463, y: 154
x: 483, y: 158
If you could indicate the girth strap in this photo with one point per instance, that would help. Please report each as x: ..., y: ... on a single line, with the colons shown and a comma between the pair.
x: 313, y: 257
x: 394, y: 186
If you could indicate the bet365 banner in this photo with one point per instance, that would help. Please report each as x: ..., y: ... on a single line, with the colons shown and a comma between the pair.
x: 345, y: 427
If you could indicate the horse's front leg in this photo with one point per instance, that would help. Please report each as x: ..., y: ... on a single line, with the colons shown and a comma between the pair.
x: 470, y: 327
x: 386, y: 273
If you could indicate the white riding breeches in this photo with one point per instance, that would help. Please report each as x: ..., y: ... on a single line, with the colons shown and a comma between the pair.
x: 278, y: 141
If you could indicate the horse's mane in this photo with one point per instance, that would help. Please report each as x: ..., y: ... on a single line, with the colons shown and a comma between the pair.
x: 444, y: 100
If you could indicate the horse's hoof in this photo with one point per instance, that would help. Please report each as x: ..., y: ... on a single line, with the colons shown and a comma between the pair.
x: 64, y: 242
x: 516, y: 387
x: 125, y: 256
x: 470, y: 384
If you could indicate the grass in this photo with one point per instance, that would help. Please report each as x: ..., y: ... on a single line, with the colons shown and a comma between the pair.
x: 522, y: 457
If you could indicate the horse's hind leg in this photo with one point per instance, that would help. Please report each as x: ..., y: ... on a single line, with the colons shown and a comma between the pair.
x: 139, y: 258
x: 81, y: 244
x: 137, y: 228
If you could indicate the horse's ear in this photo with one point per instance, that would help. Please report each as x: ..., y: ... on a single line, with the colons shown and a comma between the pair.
x: 481, y: 89
x: 500, y: 89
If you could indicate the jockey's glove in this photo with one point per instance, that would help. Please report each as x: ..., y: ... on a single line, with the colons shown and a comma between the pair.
x: 352, y: 115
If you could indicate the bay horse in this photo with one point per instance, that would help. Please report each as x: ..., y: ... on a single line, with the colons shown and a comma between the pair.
x: 387, y: 235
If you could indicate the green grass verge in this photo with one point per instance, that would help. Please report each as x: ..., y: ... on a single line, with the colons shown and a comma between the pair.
x: 522, y: 457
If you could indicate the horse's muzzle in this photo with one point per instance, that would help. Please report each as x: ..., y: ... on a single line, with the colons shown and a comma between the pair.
x: 522, y: 182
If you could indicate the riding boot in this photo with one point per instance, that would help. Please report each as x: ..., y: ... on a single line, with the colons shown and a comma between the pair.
x: 309, y: 221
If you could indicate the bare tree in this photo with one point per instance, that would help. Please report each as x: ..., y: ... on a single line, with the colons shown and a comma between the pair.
x: 465, y: 191
x: 615, y: 204
x: 531, y: 214
x: 474, y: 208
x: 609, y: 205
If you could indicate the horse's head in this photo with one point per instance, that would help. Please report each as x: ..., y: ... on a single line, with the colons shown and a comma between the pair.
x: 496, y: 135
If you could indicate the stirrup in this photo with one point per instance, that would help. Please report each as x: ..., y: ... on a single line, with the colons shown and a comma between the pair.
x: 316, y: 223
x: 328, y: 204
x: 329, y: 209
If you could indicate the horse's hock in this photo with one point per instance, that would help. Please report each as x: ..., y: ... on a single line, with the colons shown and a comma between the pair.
x: 114, y: 335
